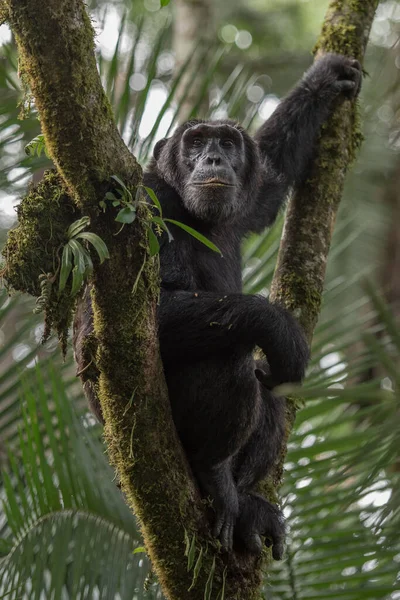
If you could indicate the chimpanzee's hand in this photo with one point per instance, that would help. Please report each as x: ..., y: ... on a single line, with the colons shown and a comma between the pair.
x: 334, y: 75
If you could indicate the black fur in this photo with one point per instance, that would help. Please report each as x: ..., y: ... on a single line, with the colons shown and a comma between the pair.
x: 214, y: 177
x: 230, y: 423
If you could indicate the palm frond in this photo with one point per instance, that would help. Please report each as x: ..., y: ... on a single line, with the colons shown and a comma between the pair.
x: 342, y: 478
x: 68, y: 527
x: 19, y: 353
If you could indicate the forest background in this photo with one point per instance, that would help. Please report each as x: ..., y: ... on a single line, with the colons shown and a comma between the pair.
x: 65, y: 528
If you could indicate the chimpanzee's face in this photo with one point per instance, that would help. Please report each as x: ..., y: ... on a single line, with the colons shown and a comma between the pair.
x: 212, y: 158
x: 213, y: 166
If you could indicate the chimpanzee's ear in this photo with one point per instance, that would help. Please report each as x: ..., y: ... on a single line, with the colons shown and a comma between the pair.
x: 158, y: 147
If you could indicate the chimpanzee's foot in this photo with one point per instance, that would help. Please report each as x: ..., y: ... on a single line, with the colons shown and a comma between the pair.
x: 217, y: 482
x: 224, y: 525
x: 257, y: 518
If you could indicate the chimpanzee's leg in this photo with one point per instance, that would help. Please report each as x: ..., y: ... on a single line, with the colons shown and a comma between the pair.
x: 260, y: 453
x: 258, y: 516
x: 216, y: 405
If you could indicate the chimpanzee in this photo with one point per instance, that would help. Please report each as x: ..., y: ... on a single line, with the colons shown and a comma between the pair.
x: 212, y: 176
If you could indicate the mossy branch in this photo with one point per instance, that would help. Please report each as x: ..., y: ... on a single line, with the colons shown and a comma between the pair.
x: 3, y: 12
x: 300, y: 272
x: 56, y: 53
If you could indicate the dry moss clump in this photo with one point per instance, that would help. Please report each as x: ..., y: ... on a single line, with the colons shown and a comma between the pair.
x: 33, y: 250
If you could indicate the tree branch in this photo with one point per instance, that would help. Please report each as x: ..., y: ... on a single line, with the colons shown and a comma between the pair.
x: 300, y: 271
x: 56, y: 42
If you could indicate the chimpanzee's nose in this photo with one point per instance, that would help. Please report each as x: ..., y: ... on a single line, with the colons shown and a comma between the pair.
x: 213, y: 159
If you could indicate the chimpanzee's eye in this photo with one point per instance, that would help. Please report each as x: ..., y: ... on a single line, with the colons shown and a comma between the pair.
x: 227, y: 143
x: 197, y: 142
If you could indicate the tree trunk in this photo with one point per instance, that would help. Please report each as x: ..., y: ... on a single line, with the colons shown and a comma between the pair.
x: 193, y: 30
x: 55, y: 41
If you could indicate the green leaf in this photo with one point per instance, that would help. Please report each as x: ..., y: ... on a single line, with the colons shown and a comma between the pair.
x: 196, y: 235
x: 191, y: 553
x: 111, y: 196
x: 126, y: 215
x: 128, y: 195
x: 210, y: 580
x: 138, y: 276
x: 115, y: 63
x: 36, y: 146
x: 154, y: 245
x: 51, y: 539
x: 66, y: 266
x: 78, y: 272
x: 139, y: 550
x: 77, y: 280
x: 154, y: 198
x: 77, y: 226
x: 221, y: 595
x: 164, y: 2
x: 88, y: 263
x: 98, y: 244
x: 187, y: 542
x: 79, y: 254
x: 119, y: 181
x: 196, y: 569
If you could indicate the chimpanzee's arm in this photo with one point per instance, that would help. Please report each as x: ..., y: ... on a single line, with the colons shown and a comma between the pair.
x: 287, y: 140
x: 197, y: 325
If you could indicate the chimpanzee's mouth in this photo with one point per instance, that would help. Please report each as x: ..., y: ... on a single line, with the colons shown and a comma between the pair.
x: 213, y: 182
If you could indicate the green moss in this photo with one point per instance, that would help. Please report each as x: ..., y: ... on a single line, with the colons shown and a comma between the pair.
x: 345, y: 25
x: 3, y: 14
x: 301, y: 297
x: 33, y: 251
x: 340, y: 38
x: 90, y: 371
x: 357, y: 136
x: 33, y: 247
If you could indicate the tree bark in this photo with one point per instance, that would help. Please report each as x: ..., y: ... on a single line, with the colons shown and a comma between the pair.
x: 55, y: 41
x: 300, y: 271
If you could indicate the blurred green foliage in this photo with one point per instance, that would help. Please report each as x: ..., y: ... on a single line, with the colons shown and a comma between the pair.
x: 65, y: 530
